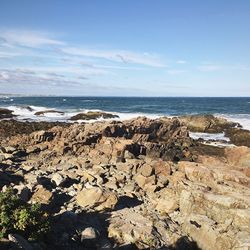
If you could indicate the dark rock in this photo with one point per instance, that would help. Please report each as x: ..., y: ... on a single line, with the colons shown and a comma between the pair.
x: 20, y: 241
x: 116, y: 130
x: 42, y: 136
x: 49, y: 112
x: 6, y: 113
x: 93, y: 116
x: 207, y: 123
x: 11, y: 127
x: 239, y: 137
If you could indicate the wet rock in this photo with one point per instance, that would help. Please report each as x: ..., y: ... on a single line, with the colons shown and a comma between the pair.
x: 11, y: 127
x: 93, y: 116
x: 49, y: 112
x: 6, y: 113
x: 239, y: 137
x: 207, y: 123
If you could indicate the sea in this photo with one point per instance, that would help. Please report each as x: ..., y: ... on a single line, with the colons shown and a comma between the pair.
x: 232, y: 108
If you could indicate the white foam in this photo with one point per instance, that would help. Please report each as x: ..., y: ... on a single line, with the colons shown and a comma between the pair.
x: 219, y: 144
x: 242, y: 119
x: 214, y: 139
x: 28, y: 113
x: 209, y: 136
x: 24, y: 113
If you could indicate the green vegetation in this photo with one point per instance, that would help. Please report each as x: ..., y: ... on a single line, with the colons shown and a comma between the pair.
x: 19, y: 217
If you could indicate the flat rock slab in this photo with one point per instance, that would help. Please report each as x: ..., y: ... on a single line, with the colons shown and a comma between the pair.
x: 129, y: 226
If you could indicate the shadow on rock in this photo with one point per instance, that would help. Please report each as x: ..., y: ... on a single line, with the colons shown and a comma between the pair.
x: 184, y: 243
x: 8, y: 176
x: 87, y: 231
x: 127, y: 202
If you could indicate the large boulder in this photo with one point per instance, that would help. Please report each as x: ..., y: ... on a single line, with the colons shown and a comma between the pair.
x: 239, y: 137
x: 6, y: 113
x: 207, y: 123
x: 50, y: 111
x: 93, y: 116
x: 128, y: 226
x: 97, y: 198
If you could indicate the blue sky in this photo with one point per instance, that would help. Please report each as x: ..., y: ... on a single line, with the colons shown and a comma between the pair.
x: 125, y: 48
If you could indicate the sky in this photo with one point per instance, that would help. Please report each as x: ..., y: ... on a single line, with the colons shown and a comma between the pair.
x: 125, y: 48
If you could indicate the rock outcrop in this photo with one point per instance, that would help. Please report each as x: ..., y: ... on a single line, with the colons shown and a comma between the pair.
x: 140, y: 183
x: 93, y: 116
x: 207, y: 123
x: 50, y: 111
x: 6, y: 113
x: 239, y: 137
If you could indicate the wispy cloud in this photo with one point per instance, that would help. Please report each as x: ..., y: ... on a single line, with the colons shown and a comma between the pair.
x: 16, y: 78
x: 181, y: 62
x: 6, y: 54
x: 36, y: 58
x: 209, y: 67
x: 4, y: 76
x: 58, y: 70
x: 121, y: 56
x: 28, y: 38
x: 176, y: 71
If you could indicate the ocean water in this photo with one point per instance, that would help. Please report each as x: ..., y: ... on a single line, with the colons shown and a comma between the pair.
x: 232, y: 108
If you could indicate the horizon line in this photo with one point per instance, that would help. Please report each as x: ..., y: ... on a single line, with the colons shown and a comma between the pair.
x: 116, y: 96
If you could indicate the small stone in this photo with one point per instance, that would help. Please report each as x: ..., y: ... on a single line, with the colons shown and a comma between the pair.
x: 96, y: 197
x: 42, y: 196
x: 146, y: 170
x: 27, y: 168
x: 9, y: 149
x: 141, y: 180
x: 58, y: 179
x: 89, y: 233
x: 128, y: 155
x: 89, y: 197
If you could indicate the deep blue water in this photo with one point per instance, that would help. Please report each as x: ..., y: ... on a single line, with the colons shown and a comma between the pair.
x: 147, y: 105
x: 236, y: 109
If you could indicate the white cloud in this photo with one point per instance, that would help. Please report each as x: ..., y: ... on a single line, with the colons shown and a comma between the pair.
x: 210, y: 67
x: 15, y: 77
x: 117, y: 56
x: 181, y: 62
x: 28, y: 38
x: 61, y: 70
x: 5, y: 54
x: 4, y: 76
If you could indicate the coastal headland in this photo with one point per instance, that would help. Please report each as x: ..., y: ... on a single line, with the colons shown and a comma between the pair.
x: 135, y: 184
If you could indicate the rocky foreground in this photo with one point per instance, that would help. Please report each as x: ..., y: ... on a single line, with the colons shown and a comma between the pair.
x: 138, y: 184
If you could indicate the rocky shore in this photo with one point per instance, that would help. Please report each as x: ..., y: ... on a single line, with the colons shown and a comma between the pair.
x: 136, y: 184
